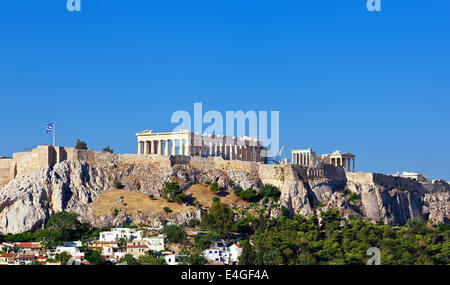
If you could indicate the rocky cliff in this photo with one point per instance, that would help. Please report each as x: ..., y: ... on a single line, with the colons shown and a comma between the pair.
x: 29, y: 200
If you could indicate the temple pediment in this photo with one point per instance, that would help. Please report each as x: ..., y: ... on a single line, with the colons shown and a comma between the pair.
x: 146, y: 132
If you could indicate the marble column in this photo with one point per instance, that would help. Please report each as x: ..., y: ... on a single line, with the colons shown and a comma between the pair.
x: 181, y: 149
x: 174, y: 147
x: 187, y: 148
x: 139, y: 147
x: 160, y: 147
x: 146, y: 147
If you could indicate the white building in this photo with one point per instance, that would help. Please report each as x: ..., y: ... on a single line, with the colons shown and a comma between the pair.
x: 235, y: 251
x: 72, y: 250
x: 172, y: 259
x: 412, y: 175
x: 116, y: 234
x: 216, y: 254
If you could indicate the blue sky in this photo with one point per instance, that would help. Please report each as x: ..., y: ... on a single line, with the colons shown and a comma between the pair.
x: 374, y: 84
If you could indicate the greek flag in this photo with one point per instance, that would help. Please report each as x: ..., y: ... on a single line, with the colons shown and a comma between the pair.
x: 49, y: 127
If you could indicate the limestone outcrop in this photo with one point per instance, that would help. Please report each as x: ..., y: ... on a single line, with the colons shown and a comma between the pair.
x: 28, y: 201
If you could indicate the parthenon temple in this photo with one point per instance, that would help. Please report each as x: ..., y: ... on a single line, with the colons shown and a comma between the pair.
x: 308, y: 157
x: 188, y: 143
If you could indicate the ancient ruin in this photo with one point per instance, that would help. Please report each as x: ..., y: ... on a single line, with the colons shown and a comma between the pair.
x: 188, y: 143
x: 308, y: 157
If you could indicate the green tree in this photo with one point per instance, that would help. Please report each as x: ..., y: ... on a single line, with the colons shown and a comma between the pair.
x: 63, y: 257
x: 172, y: 192
x: 35, y: 262
x: 150, y: 259
x: 285, y: 212
x: 174, y: 233
x: 129, y: 259
x: 416, y: 226
x: 108, y: 149
x: 81, y: 145
x: 93, y: 256
x: 64, y: 226
x: 249, y: 195
x: 248, y: 255
x: 193, y: 259
x: 219, y: 219
x: 238, y: 190
x: 214, y: 187
x: 203, y: 241
x: 270, y: 191
x: 193, y: 223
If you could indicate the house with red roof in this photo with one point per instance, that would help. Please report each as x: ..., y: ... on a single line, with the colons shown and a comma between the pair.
x: 6, y: 258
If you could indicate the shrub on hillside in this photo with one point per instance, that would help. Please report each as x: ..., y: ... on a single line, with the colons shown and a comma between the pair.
x: 270, y: 191
x: 172, y: 192
x: 214, y: 187
x: 249, y: 195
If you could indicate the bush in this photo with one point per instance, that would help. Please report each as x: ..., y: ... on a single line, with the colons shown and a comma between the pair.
x: 353, y: 197
x: 167, y: 210
x: 345, y: 191
x: 194, y: 223
x: 174, y: 233
x: 115, y: 212
x: 285, y: 212
x: 193, y: 259
x: 216, y: 200
x: 214, y: 187
x: 151, y: 259
x: 129, y: 259
x: 203, y: 241
x: 270, y: 191
x: 118, y: 185
x: 416, y: 226
x: 180, y: 198
x: 249, y: 195
x: 172, y: 192
x: 93, y: 256
x: 238, y: 190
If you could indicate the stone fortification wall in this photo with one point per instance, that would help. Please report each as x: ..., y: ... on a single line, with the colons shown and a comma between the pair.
x: 5, y: 171
x: 394, y: 182
x: 45, y: 156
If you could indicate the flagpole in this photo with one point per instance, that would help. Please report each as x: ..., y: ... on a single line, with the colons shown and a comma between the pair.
x: 54, y: 130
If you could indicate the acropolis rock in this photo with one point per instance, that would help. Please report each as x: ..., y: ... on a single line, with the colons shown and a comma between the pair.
x: 73, y: 184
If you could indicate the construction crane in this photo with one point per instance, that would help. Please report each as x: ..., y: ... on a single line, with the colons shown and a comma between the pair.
x: 277, y: 159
